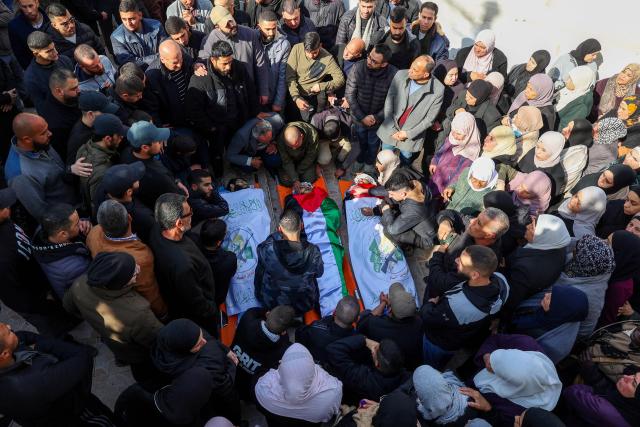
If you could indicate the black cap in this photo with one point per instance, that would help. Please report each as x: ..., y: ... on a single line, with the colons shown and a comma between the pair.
x: 7, y: 198
x: 108, y: 124
x: 119, y: 178
x: 96, y: 101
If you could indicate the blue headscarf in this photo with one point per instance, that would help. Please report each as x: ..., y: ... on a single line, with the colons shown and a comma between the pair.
x: 568, y: 304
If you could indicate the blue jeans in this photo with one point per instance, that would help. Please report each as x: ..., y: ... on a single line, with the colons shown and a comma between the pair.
x: 406, y: 157
x: 369, y: 143
x: 435, y: 356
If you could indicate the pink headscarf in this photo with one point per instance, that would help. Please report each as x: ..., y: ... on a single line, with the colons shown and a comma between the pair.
x: 543, y: 86
x: 538, y: 184
x: 481, y: 65
x: 497, y: 82
x: 469, y: 147
x: 299, y: 388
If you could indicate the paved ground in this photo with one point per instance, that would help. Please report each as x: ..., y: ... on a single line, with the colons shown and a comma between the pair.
x: 110, y: 380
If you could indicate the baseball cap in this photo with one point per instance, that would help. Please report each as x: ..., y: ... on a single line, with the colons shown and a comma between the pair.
x: 402, y: 303
x: 145, y: 133
x: 7, y: 198
x: 96, y: 101
x: 108, y: 124
x: 119, y: 178
x: 220, y: 15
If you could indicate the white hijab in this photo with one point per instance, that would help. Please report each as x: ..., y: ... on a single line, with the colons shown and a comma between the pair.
x: 481, y: 65
x: 390, y: 160
x: 553, y: 143
x: 593, y: 203
x: 299, y: 388
x: 483, y: 169
x: 526, y: 378
x: 583, y: 78
x: 550, y: 233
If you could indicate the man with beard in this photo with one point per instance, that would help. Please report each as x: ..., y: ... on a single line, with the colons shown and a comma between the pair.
x: 45, y: 61
x: 35, y: 170
x: 362, y: 22
x: 137, y: 38
x: 184, y: 35
x: 204, y: 198
x: 366, y: 92
x: 233, y: 102
x: 246, y: 48
x: 94, y: 72
x: 294, y: 25
x: 403, y: 44
x: 60, y: 109
x: 277, y: 48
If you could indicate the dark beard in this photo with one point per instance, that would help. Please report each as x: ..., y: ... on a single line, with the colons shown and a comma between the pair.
x: 41, y: 147
x: 70, y: 101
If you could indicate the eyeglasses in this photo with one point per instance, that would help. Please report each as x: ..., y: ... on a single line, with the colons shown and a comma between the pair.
x: 68, y: 23
x: 187, y: 215
x: 373, y: 61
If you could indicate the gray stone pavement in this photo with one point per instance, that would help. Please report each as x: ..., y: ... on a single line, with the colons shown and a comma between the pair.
x: 109, y: 380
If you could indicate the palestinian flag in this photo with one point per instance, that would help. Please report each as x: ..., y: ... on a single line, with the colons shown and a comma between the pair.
x: 321, y: 218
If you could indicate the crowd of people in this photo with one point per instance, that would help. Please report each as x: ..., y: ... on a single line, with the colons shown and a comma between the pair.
x: 518, y: 183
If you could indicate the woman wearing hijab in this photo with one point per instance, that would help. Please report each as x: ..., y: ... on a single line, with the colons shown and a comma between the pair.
x: 466, y: 194
x: 519, y: 218
x: 547, y: 238
x: 583, y: 211
x: 497, y: 85
x: 182, y: 345
x: 609, y: 92
x: 585, y: 54
x: 546, y: 158
x: 460, y: 148
x: 629, y: 112
x: 632, y: 159
x: 576, y: 98
x: 589, y: 270
x: 299, y: 392
x: 563, y: 304
x: 477, y: 61
x: 536, y: 417
x: 532, y: 190
x: 619, y: 213
x: 474, y: 100
x: 520, y: 74
x: 500, y: 145
x: 578, y: 132
x: 387, y: 165
x: 606, y: 135
x: 396, y: 409
x: 615, y: 181
x: 506, y: 385
x: 537, y: 93
x: 526, y: 124
x: 626, y: 249
x: 446, y: 71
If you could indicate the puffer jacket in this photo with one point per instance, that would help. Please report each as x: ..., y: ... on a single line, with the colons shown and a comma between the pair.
x: 62, y: 263
x: 278, y: 53
x: 366, y: 91
x: 139, y: 48
x: 287, y: 274
x: 84, y: 35
x: 348, y: 25
x: 411, y: 226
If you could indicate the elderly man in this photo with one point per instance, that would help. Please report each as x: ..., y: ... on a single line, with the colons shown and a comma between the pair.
x: 298, y: 148
x: 362, y: 22
x: 294, y: 25
x: 193, y: 12
x: 167, y: 83
x: 45, y: 61
x: 60, y: 109
x: 348, y: 55
x: 67, y: 33
x: 246, y: 48
x: 325, y: 15
x: 137, y: 38
x: 94, y: 72
x: 413, y: 102
x: 254, y: 145
x: 277, y: 48
x: 29, y: 18
x: 311, y: 74
x: 190, y: 40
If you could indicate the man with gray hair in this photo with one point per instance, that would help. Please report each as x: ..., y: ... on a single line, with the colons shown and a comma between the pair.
x: 184, y: 275
x: 113, y: 234
x: 95, y: 72
x: 486, y: 229
x: 254, y: 144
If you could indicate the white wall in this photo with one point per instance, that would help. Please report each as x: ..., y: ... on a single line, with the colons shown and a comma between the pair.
x: 524, y: 26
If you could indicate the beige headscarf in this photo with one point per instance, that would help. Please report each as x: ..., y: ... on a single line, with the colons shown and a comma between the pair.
x: 528, y: 120
x: 390, y: 161
x: 613, y: 90
x: 505, y: 142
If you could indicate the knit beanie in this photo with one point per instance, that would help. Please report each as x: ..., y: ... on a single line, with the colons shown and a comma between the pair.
x: 111, y: 270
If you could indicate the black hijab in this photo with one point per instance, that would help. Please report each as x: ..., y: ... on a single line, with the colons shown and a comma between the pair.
x: 586, y: 47
x: 538, y: 417
x: 626, y: 250
x: 581, y: 134
x: 519, y: 76
x: 440, y: 72
x: 481, y: 90
x: 396, y: 410
x: 623, y: 176
x: 542, y: 58
x: 501, y: 200
x: 614, y: 218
